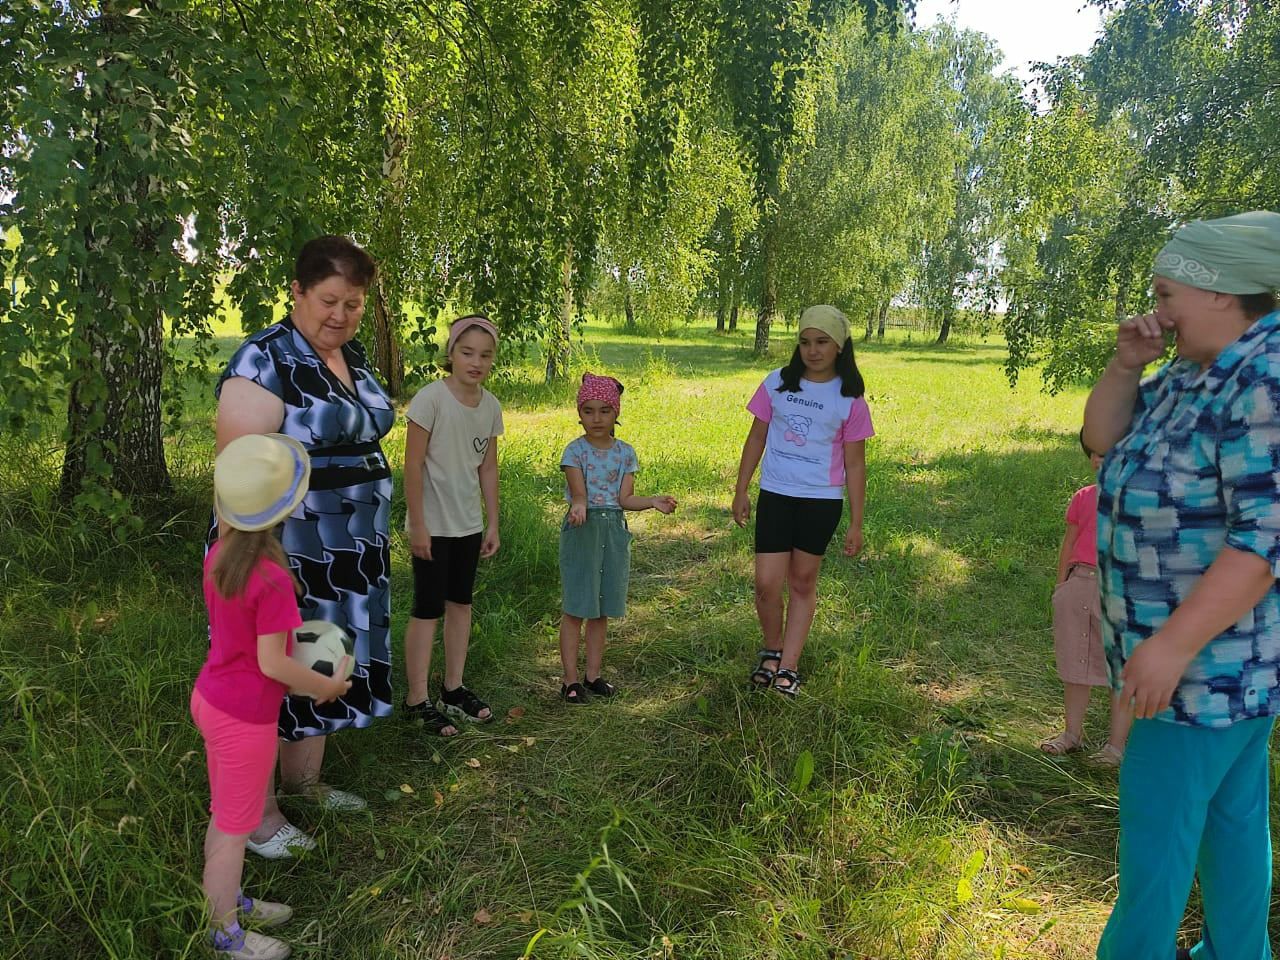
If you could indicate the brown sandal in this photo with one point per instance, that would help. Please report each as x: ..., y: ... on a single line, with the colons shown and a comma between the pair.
x: 1062, y: 744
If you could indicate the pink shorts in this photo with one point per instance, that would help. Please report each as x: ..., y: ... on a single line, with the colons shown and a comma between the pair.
x: 240, y: 757
x: 1077, y: 628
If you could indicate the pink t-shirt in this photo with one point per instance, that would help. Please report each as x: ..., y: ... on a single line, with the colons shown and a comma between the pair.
x: 1083, y: 512
x: 230, y: 679
x: 804, y: 448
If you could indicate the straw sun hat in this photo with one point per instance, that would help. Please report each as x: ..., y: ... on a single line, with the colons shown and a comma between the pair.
x: 258, y: 479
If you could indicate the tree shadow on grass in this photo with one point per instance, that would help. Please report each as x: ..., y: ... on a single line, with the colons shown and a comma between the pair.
x: 932, y: 650
x: 945, y: 361
x: 926, y: 675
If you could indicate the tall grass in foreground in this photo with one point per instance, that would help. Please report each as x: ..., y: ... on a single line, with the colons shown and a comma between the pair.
x: 899, y: 809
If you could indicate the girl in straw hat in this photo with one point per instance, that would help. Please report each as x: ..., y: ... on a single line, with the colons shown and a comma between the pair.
x: 811, y: 424
x: 1188, y: 556
x: 258, y: 479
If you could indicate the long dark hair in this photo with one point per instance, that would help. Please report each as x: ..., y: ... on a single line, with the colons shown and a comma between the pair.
x: 851, y: 384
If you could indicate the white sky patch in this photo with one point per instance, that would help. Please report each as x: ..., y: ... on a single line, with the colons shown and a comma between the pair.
x: 1026, y: 31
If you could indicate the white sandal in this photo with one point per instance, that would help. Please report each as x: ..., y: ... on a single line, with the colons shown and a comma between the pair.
x: 1062, y: 744
x: 282, y: 844
x: 1108, y: 756
x: 256, y: 946
x: 340, y: 801
x: 266, y: 914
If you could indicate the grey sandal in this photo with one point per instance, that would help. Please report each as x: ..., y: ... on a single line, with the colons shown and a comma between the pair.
x: 792, y: 686
x: 762, y: 676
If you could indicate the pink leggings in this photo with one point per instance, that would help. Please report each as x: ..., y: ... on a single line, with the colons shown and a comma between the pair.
x: 240, y: 757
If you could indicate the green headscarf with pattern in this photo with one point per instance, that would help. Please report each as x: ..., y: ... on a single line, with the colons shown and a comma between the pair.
x: 1238, y: 254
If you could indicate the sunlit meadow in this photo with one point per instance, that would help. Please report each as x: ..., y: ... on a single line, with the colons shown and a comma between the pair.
x: 899, y: 809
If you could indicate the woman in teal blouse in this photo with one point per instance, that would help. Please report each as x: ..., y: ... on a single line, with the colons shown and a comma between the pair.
x: 1188, y: 555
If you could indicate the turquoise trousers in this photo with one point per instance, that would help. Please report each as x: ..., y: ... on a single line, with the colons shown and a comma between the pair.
x: 1193, y: 803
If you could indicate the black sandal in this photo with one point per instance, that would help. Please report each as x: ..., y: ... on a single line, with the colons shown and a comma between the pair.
x: 463, y: 704
x: 762, y: 676
x: 601, y: 687
x: 431, y: 719
x: 793, y: 683
x: 574, y: 693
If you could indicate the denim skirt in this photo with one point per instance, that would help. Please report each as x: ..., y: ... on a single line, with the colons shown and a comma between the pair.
x: 595, y: 564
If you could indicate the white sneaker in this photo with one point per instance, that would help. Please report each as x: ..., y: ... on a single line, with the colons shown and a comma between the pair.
x: 283, y: 844
x: 331, y: 798
x: 257, y: 947
x: 341, y: 801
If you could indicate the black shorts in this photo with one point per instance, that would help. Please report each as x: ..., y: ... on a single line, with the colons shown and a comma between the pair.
x: 787, y: 523
x: 450, y: 575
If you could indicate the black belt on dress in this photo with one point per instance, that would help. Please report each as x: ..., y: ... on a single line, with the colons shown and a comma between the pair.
x: 373, y: 467
x: 347, y: 449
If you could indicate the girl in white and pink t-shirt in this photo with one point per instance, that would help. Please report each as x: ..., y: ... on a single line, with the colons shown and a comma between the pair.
x: 808, y: 436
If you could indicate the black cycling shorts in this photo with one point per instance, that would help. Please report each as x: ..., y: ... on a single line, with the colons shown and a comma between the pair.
x: 449, y: 575
x: 787, y: 523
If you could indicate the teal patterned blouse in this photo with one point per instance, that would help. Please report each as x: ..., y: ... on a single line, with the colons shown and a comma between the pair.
x: 1197, y: 471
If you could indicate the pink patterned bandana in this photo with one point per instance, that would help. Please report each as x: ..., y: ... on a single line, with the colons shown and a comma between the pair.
x: 604, y: 389
x: 462, y: 325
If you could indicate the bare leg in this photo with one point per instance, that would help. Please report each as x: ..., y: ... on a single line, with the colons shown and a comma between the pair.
x: 300, y: 763
x: 223, y: 866
x: 1075, y: 699
x: 457, y: 634
x: 596, y: 629
x: 771, y: 574
x: 802, y: 601
x: 419, y: 637
x: 1121, y: 720
x: 570, y: 636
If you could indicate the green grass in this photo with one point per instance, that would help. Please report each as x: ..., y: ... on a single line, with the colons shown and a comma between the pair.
x: 899, y: 809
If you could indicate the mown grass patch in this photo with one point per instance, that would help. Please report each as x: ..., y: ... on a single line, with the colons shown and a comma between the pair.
x: 899, y: 809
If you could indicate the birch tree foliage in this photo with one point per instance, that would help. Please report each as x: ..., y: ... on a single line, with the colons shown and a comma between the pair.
x: 860, y: 198
x: 765, y: 50
x: 122, y: 158
x: 1170, y: 117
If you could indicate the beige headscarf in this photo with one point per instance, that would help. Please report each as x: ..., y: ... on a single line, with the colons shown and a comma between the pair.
x: 829, y: 320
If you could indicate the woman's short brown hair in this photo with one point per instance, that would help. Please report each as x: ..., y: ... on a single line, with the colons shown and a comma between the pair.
x: 331, y: 256
x: 1257, y: 305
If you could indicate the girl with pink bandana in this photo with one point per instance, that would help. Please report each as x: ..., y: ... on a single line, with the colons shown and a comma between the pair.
x: 595, y: 545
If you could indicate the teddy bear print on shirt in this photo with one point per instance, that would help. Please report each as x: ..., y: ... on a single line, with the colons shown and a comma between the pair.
x: 798, y: 429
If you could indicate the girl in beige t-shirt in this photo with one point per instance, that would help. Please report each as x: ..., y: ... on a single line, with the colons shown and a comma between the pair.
x: 450, y: 465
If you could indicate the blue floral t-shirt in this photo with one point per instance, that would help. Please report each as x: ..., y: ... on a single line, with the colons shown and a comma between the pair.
x: 603, y: 470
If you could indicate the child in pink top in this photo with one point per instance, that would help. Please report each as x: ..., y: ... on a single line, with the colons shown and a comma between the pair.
x: 808, y: 436
x: 253, y: 609
x: 1077, y: 632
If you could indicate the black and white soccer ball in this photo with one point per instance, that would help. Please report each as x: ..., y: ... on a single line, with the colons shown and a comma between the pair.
x: 320, y: 646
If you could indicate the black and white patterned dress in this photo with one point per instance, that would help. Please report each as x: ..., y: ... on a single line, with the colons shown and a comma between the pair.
x: 338, y: 539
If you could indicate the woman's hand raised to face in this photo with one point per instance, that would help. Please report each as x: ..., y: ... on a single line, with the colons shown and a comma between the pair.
x: 1141, y: 340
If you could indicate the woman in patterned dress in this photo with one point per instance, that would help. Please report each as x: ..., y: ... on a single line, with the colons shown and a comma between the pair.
x: 307, y: 377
